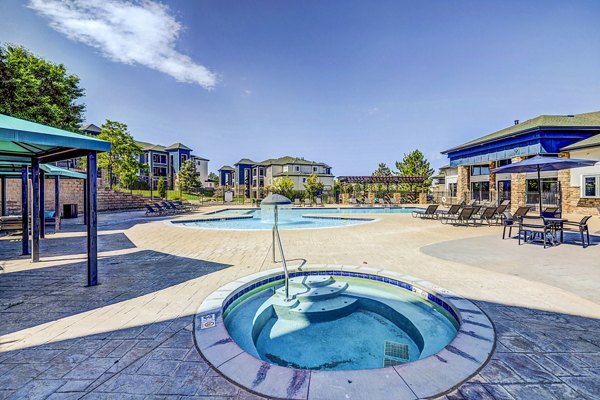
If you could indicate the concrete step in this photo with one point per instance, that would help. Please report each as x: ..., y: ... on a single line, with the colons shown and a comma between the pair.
x: 322, y: 310
x: 312, y: 294
x: 312, y: 281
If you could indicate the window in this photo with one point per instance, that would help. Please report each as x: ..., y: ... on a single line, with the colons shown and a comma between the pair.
x: 480, y: 191
x: 297, y: 168
x: 314, y: 169
x: 183, y: 158
x: 590, y: 186
x: 303, y: 180
x: 477, y: 170
x: 502, y: 163
x: 261, y: 172
x: 452, y: 189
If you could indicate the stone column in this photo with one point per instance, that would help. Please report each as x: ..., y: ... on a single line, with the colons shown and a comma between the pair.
x: 569, y: 195
x: 517, y: 188
x: 462, y: 186
x: 492, y: 181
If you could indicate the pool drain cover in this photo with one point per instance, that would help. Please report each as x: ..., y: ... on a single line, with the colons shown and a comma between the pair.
x: 394, y: 353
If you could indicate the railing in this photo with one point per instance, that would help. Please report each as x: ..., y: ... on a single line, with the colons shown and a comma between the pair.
x: 549, y: 199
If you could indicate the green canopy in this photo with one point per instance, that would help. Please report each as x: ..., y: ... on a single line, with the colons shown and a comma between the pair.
x: 20, y: 140
x: 13, y: 168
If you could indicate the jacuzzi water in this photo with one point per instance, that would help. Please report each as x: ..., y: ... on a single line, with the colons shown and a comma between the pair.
x: 291, y: 218
x: 338, y: 323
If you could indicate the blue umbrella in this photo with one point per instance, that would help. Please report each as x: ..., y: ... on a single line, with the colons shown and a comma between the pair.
x: 539, y: 163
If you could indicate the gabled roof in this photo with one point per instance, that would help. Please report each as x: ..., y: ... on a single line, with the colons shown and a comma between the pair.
x: 150, y: 146
x: 290, y: 160
x: 92, y: 128
x: 200, y: 158
x: 299, y: 174
x: 177, y: 146
x: 592, y: 141
x: 226, y: 168
x: 245, y: 161
x: 586, y: 120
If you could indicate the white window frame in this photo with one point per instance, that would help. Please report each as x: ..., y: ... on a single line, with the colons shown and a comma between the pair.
x: 597, y: 178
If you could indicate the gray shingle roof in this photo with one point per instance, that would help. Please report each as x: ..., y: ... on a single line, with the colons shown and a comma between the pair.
x: 592, y: 141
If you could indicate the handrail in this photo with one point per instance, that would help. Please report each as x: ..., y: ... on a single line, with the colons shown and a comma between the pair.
x: 277, y: 238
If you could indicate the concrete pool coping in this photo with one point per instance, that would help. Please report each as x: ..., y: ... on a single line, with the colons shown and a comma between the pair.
x: 466, y: 354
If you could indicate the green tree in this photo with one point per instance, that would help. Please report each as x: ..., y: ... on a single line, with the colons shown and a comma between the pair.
x: 284, y: 186
x: 122, y: 159
x: 415, y: 164
x: 214, y: 177
x: 382, y: 170
x: 129, y: 170
x: 313, y: 186
x: 37, y: 90
x: 188, y: 178
x: 162, y: 187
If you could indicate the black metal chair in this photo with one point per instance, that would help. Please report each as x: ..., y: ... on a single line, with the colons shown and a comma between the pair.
x: 534, y: 226
x: 582, y: 227
x: 427, y: 213
x: 508, y: 221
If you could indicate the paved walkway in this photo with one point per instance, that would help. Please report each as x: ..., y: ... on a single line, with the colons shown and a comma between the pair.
x: 130, y: 337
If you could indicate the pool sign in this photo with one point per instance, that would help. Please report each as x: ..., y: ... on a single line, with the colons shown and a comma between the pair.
x: 207, y: 321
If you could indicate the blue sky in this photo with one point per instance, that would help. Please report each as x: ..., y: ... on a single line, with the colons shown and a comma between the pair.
x: 350, y: 83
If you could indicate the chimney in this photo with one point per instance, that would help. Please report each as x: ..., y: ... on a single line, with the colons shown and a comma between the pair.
x: 516, y: 122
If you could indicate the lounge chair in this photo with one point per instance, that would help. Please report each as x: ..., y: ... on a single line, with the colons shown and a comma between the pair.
x: 488, y: 215
x: 505, y: 203
x: 319, y: 202
x: 367, y: 202
x: 297, y: 202
x: 353, y: 201
x: 170, y: 208
x: 534, y: 226
x: 186, y: 206
x: 162, y: 210
x: 11, y: 223
x: 581, y: 226
x: 177, y: 207
x: 393, y: 202
x: 472, y: 202
x: 500, y: 211
x: 462, y: 218
x: 151, y: 211
x: 307, y: 202
x: 476, y: 209
x: 452, y: 211
x: 429, y: 212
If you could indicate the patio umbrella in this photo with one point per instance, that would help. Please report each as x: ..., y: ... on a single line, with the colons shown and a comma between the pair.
x: 539, y: 163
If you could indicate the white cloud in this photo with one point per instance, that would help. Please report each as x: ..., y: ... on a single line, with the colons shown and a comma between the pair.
x: 132, y: 32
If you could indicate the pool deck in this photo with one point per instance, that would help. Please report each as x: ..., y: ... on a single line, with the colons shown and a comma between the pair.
x: 131, y: 336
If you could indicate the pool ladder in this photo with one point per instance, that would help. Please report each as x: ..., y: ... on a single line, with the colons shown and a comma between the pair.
x: 277, y: 238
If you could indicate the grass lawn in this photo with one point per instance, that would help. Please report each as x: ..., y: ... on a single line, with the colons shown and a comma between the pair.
x: 175, y: 195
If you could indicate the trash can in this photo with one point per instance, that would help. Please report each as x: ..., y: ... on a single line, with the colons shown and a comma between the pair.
x: 69, y: 211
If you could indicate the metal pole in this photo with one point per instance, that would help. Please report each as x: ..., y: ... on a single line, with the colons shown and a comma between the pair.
x: 56, y: 204
x: 92, y: 220
x: 85, y: 201
x: 539, y: 187
x: 25, y: 209
x: 285, y: 270
x: 35, y: 217
x: 42, y: 204
x: 3, y: 196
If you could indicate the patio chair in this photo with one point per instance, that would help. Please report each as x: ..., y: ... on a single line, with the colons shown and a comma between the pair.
x: 367, y: 202
x: 581, y: 226
x: 307, y: 203
x: 505, y: 203
x: 476, y: 209
x: 11, y: 223
x: 462, y: 218
x: 452, y: 211
x: 500, y: 211
x: 318, y: 201
x: 162, y: 210
x: 353, y: 201
x: 171, y: 208
x: 298, y: 204
x: 429, y: 212
x: 508, y: 221
x: 187, y: 206
x: 488, y: 215
x: 178, y: 207
x: 393, y: 202
x: 533, y: 225
x: 151, y: 212
x: 472, y: 202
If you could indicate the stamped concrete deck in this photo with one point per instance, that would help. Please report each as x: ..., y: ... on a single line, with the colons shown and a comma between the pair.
x: 131, y: 336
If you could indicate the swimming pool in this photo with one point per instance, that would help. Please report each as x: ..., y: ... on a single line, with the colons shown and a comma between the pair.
x: 290, y: 218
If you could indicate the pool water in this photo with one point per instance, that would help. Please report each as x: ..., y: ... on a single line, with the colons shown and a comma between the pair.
x: 291, y: 218
x: 338, y: 323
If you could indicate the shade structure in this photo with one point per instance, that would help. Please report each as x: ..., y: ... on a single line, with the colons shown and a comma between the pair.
x: 33, y: 144
x: 13, y: 168
x: 539, y: 163
x: 275, y: 200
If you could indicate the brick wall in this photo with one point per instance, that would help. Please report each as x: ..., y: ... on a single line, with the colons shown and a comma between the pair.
x: 572, y: 203
x: 517, y: 188
x: 492, y: 181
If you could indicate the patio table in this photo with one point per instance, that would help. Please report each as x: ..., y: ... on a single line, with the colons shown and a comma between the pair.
x: 556, y: 225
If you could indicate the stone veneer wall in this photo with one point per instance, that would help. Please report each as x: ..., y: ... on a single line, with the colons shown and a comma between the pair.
x: 492, y: 181
x: 517, y: 188
x: 462, y: 186
x: 71, y: 192
x: 572, y: 203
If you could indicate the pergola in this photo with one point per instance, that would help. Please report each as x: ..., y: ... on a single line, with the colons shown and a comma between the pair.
x: 368, y: 179
x: 29, y: 145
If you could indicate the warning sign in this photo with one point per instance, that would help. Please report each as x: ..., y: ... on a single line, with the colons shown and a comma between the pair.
x: 207, y: 321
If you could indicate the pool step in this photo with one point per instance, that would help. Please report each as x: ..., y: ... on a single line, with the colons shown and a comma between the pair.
x: 314, y: 293
x: 322, y: 310
x: 311, y: 281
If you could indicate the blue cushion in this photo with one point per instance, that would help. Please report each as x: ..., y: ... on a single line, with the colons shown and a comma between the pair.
x: 48, y: 214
